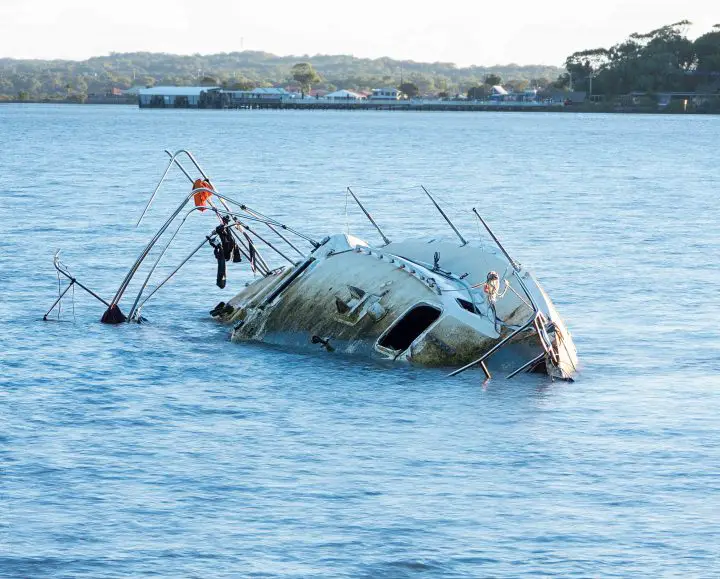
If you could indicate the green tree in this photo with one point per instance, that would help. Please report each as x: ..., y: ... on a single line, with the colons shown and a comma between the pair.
x: 305, y: 75
x: 477, y: 93
x: 123, y: 70
x: 410, y: 89
x: 707, y: 51
x: 242, y: 85
x: 492, y: 80
x: 541, y: 82
x: 562, y: 82
x: 518, y: 85
x: 660, y: 60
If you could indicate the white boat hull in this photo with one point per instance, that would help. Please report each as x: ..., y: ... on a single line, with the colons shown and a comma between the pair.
x: 394, y: 303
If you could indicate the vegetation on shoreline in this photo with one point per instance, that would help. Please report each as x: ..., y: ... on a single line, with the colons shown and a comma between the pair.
x: 662, y: 60
x: 62, y: 79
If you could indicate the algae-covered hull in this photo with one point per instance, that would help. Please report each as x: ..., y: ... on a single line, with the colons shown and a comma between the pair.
x: 422, y: 302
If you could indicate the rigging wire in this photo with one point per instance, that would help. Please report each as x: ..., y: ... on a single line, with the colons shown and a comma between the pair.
x: 347, y: 219
x: 59, y: 297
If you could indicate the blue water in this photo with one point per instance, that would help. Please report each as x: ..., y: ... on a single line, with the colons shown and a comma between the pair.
x: 163, y: 450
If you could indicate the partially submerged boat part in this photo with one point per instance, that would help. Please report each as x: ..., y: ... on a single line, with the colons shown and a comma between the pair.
x: 431, y: 303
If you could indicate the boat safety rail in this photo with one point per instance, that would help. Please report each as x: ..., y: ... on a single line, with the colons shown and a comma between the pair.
x: 241, y: 246
x: 526, y: 366
x: 260, y: 218
x: 541, y: 329
x: 245, y: 208
x: 133, y: 270
x: 157, y: 261
x: 62, y: 270
x: 543, y: 324
x: 548, y: 351
x: 267, y: 220
x: 147, y: 249
x: 495, y: 348
x: 249, y: 214
x: 138, y: 305
x: 137, y: 308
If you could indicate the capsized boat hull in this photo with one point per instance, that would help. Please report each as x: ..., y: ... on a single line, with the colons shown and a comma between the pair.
x: 397, y: 302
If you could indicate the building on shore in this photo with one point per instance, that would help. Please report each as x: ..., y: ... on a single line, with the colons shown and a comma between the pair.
x: 499, y: 93
x: 260, y: 96
x: 178, y: 97
x: 385, y: 94
x: 344, y: 95
x: 380, y: 99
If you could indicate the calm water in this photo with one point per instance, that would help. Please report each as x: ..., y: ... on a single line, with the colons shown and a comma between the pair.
x: 162, y: 450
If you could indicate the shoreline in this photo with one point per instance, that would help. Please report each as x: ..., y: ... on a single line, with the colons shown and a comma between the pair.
x: 587, y: 108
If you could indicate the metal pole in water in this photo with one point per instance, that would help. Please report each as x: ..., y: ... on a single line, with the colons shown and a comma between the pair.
x: 385, y: 239
x: 497, y: 241
x: 59, y: 268
x: 57, y: 301
x: 450, y: 223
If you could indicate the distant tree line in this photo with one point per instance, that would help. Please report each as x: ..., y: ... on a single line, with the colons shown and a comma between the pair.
x: 62, y: 79
x: 662, y: 60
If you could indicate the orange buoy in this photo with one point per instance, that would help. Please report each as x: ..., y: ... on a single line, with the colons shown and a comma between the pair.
x: 201, y: 197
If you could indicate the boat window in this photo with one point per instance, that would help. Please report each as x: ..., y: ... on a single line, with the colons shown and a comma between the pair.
x: 409, y: 327
x: 466, y: 305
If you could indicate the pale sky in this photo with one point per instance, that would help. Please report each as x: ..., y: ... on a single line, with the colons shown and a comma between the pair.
x: 460, y: 31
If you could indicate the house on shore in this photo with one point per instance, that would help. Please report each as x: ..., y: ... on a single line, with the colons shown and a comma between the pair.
x: 498, y: 93
x: 343, y: 95
x: 385, y: 94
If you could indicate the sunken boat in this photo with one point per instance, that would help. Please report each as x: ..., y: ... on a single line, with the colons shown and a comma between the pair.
x: 456, y: 304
